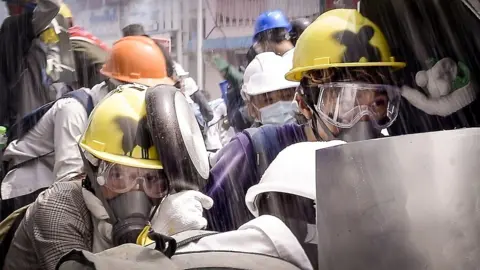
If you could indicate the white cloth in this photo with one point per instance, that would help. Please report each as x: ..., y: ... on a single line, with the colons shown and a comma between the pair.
x: 56, y: 131
x: 217, y: 136
x: 189, y: 86
x: 265, y: 235
x: 288, y: 57
x: 180, y: 212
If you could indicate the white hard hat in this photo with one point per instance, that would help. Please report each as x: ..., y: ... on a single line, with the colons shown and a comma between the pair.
x: 179, y: 70
x: 292, y: 172
x: 266, y: 73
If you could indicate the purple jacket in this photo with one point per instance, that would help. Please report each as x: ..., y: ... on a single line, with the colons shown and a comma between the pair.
x: 236, y: 171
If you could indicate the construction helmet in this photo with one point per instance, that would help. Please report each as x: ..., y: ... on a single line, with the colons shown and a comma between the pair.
x: 117, y: 131
x: 298, y: 26
x: 266, y: 73
x: 65, y: 11
x: 137, y: 59
x: 341, y: 38
x: 270, y: 20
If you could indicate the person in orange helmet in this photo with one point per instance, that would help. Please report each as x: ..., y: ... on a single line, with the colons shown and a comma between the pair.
x: 46, y: 151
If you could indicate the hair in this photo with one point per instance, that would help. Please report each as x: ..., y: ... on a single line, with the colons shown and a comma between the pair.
x: 275, y: 35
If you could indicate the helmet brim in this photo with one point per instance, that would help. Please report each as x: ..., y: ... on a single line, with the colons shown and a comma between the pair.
x: 145, y: 81
x: 123, y: 160
x: 296, y: 74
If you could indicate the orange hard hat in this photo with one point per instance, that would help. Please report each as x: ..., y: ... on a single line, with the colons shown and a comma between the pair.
x: 137, y: 59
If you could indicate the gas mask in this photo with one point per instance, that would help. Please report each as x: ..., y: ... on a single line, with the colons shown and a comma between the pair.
x: 359, y: 110
x: 131, y: 194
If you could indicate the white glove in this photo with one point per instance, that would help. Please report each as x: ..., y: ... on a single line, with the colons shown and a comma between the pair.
x: 181, y: 212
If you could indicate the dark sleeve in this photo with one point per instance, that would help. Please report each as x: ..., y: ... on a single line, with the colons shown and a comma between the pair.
x: 61, y: 223
x: 16, y: 37
x: 168, y: 59
x: 230, y: 178
x: 199, y: 98
x: 4, y: 117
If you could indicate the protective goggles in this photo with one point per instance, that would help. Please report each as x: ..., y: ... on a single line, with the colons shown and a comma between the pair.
x: 121, y: 179
x: 344, y: 104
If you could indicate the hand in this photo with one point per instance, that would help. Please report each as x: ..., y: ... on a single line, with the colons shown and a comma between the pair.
x: 181, y: 212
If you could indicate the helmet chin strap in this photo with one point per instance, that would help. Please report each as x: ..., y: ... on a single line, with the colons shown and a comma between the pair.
x: 98, y: 192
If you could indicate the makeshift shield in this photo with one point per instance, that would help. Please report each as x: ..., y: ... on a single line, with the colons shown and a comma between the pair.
x: 407, y: 202
x: 177, y: 137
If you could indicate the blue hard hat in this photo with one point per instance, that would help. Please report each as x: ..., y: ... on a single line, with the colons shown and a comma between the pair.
x: 270, y: 20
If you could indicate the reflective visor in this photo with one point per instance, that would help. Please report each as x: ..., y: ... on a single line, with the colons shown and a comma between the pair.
x: 344, y: 104
x: 121, y: 179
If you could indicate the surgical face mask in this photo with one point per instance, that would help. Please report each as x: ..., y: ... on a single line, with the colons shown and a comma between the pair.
x: 278, y: 113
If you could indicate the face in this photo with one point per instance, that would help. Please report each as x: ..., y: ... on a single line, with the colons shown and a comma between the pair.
x: 260, y: 101
x: 119, y: 179
x: 352, y: 98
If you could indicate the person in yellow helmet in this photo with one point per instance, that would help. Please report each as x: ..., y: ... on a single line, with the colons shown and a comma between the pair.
x: 347, y: 92
x: 348, y: 88
x: 43, y: 151
x: 118, y: 198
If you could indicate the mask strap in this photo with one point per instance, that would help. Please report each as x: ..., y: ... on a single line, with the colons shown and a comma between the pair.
x: 96, y: 188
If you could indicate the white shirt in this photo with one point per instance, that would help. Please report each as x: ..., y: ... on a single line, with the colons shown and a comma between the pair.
x: 288, y: 56
x: 56, y: 132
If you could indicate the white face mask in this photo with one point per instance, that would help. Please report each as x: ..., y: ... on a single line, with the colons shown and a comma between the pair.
x: 278, y: 113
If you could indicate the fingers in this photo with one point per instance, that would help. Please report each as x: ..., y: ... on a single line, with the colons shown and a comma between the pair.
x: 206, y: 201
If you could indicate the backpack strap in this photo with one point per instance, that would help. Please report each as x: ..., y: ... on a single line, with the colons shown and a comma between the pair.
x: 187, y: 237
x: 83, y: 98
x: 29, y: 121
x: 265, y: 144
x: 215, y: 259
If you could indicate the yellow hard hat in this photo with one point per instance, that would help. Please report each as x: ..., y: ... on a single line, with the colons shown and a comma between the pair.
x: 65, y: 11
x: 341, y: 38
x: 117, y: 130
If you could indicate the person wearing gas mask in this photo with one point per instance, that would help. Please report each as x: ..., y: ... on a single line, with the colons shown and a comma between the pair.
x: 23, y: 58
x: 266, y: 92
x: 298, y: 26
x: 349, y: 95
x: 45, y: 151
x: 116, y: 201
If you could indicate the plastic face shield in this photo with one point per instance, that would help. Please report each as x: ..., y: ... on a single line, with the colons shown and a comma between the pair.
x: 343, y: 104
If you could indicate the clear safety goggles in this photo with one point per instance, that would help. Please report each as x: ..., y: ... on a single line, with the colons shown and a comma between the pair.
x: 343, y: 104
x: 121, y: 179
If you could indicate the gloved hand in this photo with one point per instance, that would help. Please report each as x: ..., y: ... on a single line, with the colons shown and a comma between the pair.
x: 181, y: 212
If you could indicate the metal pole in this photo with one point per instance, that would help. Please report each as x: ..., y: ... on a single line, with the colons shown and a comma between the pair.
x: 200, y: 44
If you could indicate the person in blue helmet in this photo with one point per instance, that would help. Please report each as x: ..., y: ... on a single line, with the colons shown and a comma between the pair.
x: 272, y: 34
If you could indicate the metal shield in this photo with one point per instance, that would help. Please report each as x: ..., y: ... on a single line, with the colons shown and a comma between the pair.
x: 406, y: 202
x: 177, y: 137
